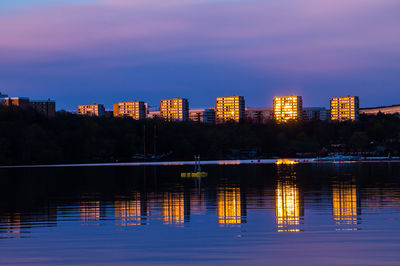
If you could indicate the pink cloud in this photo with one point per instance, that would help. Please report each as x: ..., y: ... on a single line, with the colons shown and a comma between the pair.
x: 296, y: 36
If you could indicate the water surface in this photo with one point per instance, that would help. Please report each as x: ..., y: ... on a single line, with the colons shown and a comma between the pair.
x: 305, y: 214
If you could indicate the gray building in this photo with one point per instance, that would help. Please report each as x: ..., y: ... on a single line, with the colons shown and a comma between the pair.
x: 202, y: 115
x: 316, y: 113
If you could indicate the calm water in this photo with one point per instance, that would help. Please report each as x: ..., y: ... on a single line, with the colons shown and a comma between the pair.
x: 330, y: 214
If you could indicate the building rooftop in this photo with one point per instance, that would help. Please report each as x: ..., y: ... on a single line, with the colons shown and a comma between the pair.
x: 379, y: 107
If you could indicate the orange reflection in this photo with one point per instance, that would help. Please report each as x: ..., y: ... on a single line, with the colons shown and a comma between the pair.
x: 286, y: 161
x: 344, y: 204
x: 173, y: 208
x: 197, y: 203
x: 128, y: 211
x: 89, y: 210
x: 288, y: 207
x: 229, y: 206
x: 13, y: 224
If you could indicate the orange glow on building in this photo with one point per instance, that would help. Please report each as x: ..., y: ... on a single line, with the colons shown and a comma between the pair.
x: 134, y: 109
x: 91, y: 110
x: 176, y: 109
x: 230, y: 108
x: 229, y: 206
x: 173, y: 208
x: 344, y: 108
x: 344, y: 204
x: 288, y: 108
x: 128, y: 212
x: 89, y: 211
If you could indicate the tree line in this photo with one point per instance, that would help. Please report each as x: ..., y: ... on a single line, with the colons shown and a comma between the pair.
x: 26, y: 137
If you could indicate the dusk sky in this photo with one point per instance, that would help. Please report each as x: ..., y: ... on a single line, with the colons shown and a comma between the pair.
x: 105, y: 51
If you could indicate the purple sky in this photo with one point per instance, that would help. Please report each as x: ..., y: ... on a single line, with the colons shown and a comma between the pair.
x: 105, y: 51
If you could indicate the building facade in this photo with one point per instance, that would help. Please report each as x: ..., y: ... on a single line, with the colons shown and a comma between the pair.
x: 393, y: 109
x: 134, y: 109
x: 288, y: 108
x: 176, y: 109
x: 344, y: 108
x: 316, y: 113
x: 47, y: 107
x: 91, y: 110
x: 258, y: 115
x: 21, y: 102
x: 229, y: 108
x: 202, y: 115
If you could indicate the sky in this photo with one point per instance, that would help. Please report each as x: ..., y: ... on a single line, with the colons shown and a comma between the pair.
x: 105, y: 51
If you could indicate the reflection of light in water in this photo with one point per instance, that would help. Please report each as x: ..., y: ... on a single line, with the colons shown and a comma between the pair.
x: 197, y: 203
x: 229, y: 206
x: 285, y: 161
x: 344, y: 204
x: 288, y: 209
x: 173, y: 208
x: 128, y: 211
x: 13, y: 224
x: 287, y: 206
x: 89, y: 210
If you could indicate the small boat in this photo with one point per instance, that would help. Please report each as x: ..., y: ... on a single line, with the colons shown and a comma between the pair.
x: 197, y: 173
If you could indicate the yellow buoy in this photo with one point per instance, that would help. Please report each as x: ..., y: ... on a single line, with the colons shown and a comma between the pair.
x: 194, y: 174
x: 197, y: 173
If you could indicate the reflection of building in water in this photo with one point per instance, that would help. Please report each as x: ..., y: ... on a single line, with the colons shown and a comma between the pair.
x: 131, y: 211
x: 11, y: 224
x: 89, y: 210
x: 344, y: 204
x: 231, y: 208
x: 14, y: 223
x: 175, y: 208
x: 289, y: 208
x: 197, y: 202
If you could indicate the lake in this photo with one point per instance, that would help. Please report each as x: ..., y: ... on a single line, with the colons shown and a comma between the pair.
x: 304, y: 214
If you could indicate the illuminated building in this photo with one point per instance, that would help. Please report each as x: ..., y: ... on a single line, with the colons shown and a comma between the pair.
x: 46, y: 107
x: 202, y: 115
x: 393, y: 109
x: 230, y: 108
x: 174, y: 210
x: 89, y: 211
x: 258, y: 115
x: 134, y: 109
x: 230, y: 208
x: 21, y: 102
x: 288, y: 202
x: 344, y: 205
x: 288, y: 108
x: 344, y: 108
x: 129, y: 212
x: 176, y: 109
x: 91, y: 110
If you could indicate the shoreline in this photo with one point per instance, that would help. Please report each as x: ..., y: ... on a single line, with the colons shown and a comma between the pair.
x: 283, y: 161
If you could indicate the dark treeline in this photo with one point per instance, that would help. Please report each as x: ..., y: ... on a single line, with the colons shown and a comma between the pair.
x: 26, y: 137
